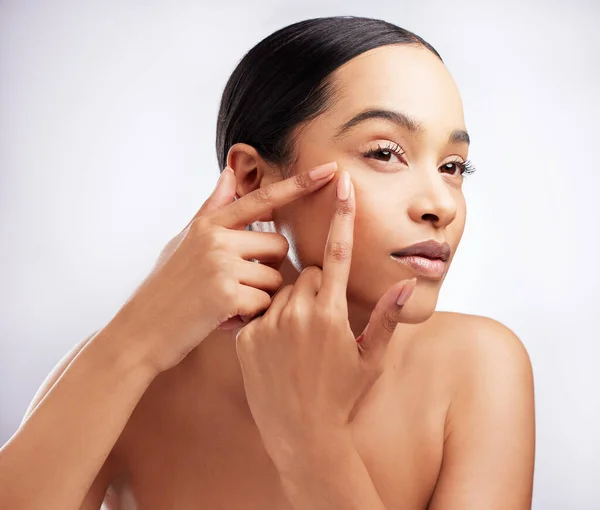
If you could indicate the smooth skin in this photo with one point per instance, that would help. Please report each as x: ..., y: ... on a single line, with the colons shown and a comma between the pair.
x: 77, y: 416
x: 316, y: 375
x: 150, y: 414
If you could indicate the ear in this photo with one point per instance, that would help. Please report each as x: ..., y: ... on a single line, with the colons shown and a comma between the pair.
x: 251, y: 171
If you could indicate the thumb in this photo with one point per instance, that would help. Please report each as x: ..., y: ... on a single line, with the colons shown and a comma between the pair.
x: 385, y: 316
x: 223, y: 193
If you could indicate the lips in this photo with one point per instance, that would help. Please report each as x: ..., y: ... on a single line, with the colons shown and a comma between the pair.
x: 426, y: 249
x: 428, y: 258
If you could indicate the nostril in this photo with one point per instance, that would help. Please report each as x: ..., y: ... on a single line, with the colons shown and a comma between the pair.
x: 430, y: 217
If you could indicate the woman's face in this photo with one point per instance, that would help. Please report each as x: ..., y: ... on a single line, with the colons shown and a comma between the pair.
x: 407, y: 190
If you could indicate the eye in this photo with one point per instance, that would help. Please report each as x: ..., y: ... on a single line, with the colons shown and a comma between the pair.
x: 392, y: 149
x: 385, y: 153
x: 465, y: 168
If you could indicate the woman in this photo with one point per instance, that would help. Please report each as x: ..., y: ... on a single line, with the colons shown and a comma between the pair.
x: 226, y: 383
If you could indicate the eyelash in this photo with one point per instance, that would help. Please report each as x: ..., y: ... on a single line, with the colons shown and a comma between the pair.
x: 466, y: 167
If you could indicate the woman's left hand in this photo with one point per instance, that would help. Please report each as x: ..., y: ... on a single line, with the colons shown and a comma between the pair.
x: 304, y: 371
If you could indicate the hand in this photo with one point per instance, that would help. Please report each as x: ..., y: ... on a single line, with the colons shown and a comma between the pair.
x: 304, y: 372
x: 204, y: 275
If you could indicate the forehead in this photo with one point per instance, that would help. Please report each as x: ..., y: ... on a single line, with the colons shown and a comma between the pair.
x: 399, y: 77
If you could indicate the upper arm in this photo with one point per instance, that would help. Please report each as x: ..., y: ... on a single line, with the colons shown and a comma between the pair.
x: 54, y: 375
x: 489, y: 442
x: 97, y: 491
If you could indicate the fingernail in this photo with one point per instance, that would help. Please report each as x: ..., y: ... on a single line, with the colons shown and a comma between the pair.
x: 364, y: 333
x: 343, y: 186
x: 406, y: 291
x: 322, y: 171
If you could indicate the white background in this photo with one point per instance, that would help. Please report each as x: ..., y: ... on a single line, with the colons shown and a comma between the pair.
x: 107, y: 129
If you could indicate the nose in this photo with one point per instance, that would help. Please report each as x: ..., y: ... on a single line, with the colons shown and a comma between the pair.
x: 433, y: 200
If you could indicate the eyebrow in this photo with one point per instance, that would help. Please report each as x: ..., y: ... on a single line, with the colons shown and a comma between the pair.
x: 400, y: 119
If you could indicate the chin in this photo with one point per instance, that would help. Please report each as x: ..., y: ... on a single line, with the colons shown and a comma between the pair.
x: 419, y: 308
x: 421, y: 305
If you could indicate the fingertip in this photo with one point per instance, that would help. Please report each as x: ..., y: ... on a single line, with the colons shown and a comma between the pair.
x: 323, y: 172
x: 351, y: 197
x: 406, y: 291
x: 344, y: 186
x: 226, y: 184
x: 228, y: 173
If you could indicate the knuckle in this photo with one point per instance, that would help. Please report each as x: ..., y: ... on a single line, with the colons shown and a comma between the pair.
x: 198, y: 225
x: 229, y: 289
x: 339, y: 250
x: 317, y: 278
x: 214, y: 240
x: 295, y: 312
x: 262, y: 195
x: 389, y: 320
x: 302, y: 181
x: 312, y: 272
x: 296, y: 309
x: 206, y: 236
x: 344, y: 208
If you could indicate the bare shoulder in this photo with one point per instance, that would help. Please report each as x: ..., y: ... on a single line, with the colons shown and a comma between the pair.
x: 489, y: 422
x: 477, y: 337
x: 477, y: 351
x: 465, y: 349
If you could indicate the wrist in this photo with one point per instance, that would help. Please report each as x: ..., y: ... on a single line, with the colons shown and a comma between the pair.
x: 320, y: 448
x: 124, y: 352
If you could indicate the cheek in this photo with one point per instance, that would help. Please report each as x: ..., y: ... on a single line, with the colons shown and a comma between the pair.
x: 458, y: 225
x: 378, y: 218
x: 305, y: 224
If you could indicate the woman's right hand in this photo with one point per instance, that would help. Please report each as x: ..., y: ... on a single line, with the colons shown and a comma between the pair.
x: 204, y: 277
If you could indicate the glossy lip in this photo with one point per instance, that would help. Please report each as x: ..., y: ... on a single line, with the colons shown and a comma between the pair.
x: 429, y: 268
x: 427, y: 258
x: 427, y: 249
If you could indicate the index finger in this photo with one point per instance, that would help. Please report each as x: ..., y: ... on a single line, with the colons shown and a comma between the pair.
x: 338, y: 248
x: 261, y: 201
